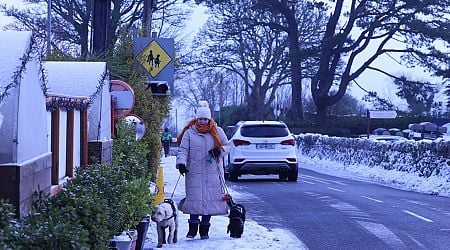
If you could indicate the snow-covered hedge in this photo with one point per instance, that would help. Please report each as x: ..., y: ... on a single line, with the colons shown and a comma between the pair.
x: 426, y: 158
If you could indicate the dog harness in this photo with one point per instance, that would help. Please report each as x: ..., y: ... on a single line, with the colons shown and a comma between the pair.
x: 174, y: 214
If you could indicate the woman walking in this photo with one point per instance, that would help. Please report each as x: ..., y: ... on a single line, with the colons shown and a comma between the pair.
x: 202, y: 143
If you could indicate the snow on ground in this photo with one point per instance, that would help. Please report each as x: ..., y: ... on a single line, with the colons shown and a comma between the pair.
x: 259, y: 237
x: 254, y: 237
x: 402, y: 180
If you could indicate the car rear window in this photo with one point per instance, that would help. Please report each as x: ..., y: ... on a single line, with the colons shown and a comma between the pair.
x: 264, y: 131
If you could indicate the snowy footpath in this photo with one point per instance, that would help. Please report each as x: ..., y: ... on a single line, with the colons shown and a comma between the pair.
x: 254, y: 237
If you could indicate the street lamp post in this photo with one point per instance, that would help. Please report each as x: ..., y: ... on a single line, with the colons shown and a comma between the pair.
x: 149, y: 7
x: 49, y: 27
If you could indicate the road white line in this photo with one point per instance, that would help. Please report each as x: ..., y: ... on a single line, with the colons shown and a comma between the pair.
x: 312, y: 178
x: 340, y: 183
x: 426, y: 205
x: 335, y: 189
x: 383, y: 233
x: 372, y: 199
x: 417, y: 216
x: 422, y: 246
x: 308, y: 182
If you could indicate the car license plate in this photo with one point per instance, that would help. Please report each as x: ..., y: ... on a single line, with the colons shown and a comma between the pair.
x: 265, y: 146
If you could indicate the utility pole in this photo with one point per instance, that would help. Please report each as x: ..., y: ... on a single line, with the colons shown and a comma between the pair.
x: 49, y: 27
x: 101, y: 16
x: 149, y: 7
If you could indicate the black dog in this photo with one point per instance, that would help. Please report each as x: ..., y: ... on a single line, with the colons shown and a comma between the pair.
x: 237, y: 218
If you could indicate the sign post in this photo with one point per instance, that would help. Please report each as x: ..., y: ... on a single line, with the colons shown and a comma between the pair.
x: 379, y: 114
x: 155, y: 57
x: 368, y: 123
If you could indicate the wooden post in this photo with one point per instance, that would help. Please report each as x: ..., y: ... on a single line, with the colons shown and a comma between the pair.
x: 55, y: 147
x: 84, y: 137
x: 368, y: 123
x: 69, y: 143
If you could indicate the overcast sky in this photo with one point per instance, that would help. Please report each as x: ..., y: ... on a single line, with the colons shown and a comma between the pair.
x: 370, y: 80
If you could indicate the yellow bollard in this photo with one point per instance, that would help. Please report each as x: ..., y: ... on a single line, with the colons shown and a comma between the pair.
x: 160, y: 196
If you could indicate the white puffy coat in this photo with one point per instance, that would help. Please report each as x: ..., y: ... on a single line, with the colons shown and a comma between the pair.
x: 204, y: 189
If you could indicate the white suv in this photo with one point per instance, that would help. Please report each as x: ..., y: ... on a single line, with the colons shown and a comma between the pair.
x: 261, y: 148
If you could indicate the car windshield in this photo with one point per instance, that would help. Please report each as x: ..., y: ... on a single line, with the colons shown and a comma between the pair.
x: 264, y: 131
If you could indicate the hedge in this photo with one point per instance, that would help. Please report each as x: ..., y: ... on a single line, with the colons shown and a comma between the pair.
x: 100, y: 202
x: 425, y: 158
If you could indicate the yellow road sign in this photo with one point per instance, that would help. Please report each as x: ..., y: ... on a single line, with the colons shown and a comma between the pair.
x: 153, y: 58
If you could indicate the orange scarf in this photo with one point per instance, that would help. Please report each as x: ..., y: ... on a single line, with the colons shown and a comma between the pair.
x: 209, y: 128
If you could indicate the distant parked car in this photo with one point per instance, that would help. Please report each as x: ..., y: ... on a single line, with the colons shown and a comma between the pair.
x: 261, y: 148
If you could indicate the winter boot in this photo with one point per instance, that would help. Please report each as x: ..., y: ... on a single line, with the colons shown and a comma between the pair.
x: 193, y: 228
x: 204, y: 229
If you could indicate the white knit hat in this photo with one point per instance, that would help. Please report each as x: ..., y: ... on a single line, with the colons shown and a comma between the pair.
x: 203, y: 111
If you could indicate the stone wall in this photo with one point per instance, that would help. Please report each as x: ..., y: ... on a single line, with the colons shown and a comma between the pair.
x: 19, y: 182
x: 100, y: 151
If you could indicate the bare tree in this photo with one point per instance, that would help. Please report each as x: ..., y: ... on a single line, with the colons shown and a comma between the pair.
x: 374, y: 22
x: 72, y: 21
x: 303, y: 22
x: 211, y: 85
x: 256, y: 54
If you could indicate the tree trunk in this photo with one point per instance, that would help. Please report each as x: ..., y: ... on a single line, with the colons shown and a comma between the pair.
x: 296, y: 67
x: 258, y: 109
x: 297, y: 105
x: 321, y: 115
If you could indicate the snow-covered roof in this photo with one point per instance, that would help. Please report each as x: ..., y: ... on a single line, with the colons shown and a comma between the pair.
x: 76, y: 79
x: 13, y: 45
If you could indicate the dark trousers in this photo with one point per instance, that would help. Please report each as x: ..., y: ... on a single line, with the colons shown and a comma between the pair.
x: 195, y: 218
x: 166, y: 146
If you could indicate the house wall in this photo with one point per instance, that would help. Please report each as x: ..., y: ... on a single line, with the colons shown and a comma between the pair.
x: 49, y: 131
x: 32, y: 122
x: 13, y: 46
x: 101, y: 151
x: 76, y: 139
x: 100, y: 113
x: 8, y: 128
x: 62, y: 166
x: 19, y: 182
x: 62, y: 143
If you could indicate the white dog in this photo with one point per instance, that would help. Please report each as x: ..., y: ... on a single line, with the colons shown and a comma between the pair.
x: 165, y: 215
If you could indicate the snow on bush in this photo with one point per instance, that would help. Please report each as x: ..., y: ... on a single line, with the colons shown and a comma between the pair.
x: 424, y: 158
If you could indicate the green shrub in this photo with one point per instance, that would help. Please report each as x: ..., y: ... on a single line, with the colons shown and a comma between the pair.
x: 8, y: 225
x: 102, y: 201
x: 152, y: 109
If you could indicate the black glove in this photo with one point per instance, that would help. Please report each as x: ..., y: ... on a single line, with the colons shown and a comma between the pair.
x: 182, y: 168
x: 215, y: 152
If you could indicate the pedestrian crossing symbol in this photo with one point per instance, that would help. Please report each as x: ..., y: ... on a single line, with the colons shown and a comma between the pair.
x: 153, y: 58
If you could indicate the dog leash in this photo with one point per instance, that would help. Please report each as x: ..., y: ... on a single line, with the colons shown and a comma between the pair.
x: 222, y: 180
x: 176, y: 184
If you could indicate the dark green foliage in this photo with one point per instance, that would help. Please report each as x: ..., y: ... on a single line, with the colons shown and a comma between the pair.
x: 131, y: 155
x: 151, y: 109
x: 418, y: 95
x: 101, y: 201
x: 8, y: 225
x: 351, y: 126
